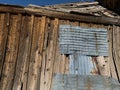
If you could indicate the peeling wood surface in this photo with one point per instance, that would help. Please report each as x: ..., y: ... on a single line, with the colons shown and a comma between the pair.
x: 30, y: 56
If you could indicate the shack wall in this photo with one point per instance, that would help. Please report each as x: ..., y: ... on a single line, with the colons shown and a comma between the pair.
x: 29, y: 51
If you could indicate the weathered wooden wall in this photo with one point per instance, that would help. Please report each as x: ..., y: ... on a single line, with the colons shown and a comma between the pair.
x: 29, y: 51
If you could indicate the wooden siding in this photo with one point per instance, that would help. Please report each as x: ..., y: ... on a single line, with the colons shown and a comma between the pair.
x: 29, y: 51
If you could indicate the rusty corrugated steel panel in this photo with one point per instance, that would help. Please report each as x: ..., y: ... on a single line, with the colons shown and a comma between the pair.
x: 86, y: 41
x: 81, y: 65
x: 84, y: 82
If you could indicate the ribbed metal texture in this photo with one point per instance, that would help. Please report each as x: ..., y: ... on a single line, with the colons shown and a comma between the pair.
x: 81, y: 65
x: 84, y: 82
x: 86, y: 41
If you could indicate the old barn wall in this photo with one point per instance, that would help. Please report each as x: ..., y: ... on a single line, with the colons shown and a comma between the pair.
x: 29, y: 51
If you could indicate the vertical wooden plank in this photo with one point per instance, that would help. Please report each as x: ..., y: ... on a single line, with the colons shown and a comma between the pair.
x: 20, y: 78
x: 111, y: 62
x: 49, y: 58
x: 55, y: 39
x: 46, y: 61
x: 118, y: 50
x: 11, y: 53
x: 4, y: 25
x: 36, y: 53
x: 115, y: 50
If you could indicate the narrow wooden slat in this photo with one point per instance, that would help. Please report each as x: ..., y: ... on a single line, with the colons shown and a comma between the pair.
x: 44, y: 65
x: 82, y: 18
x: 49, y: 58
x: 20, y: 78
x: 45, y: 61
x: 4, y: 25
x: 115, y: 50
x: 111, y: 62
x: 11, y: 54
x: 118, y: 49
x: 36, y: 53
x: 55, y: 39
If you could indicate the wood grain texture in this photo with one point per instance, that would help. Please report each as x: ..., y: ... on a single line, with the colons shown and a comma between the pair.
x: 35, y: 57
x: 49, y: 57
x: 21, y: 69
x: 111, y: 60
x: 115, y: 50
x: 4, y: 25
x: 11, y: 54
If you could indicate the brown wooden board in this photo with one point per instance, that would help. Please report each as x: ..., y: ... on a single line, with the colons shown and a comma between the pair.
x: 21, y: 69
x: 4, y: 25
x: 11, y: 54
x: 36, y: 55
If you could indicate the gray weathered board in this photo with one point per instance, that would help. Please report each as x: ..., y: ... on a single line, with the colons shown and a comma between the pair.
x: 84, y: 82
x: 87, y: 41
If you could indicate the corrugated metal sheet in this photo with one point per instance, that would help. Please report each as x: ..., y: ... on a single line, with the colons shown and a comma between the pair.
x: 84, y: 82
x: 86, y: 41
x: 81, y: 65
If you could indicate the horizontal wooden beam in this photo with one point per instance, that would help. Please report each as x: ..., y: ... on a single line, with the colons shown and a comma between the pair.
x: 78, y: 17
x: 62, y: 15
x: 11, y: 9
x: 72, y: 4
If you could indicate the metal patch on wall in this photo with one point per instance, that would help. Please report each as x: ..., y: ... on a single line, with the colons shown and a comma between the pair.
x: 82, y: 65
x: 84, y: 82
x: 86, y: 41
